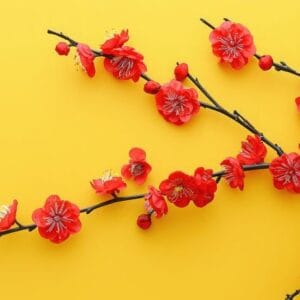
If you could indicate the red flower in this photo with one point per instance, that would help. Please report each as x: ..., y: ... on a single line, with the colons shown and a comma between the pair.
x: 253, y: 151
x: 117, y: 41
x: 181, y: 71
x: 176, y: 103
x: 234, y: 173
x: 108, y: 184
x: 155, y: 202
x: 57, y: 219
x: 86, y: 59
x: 206, y: 185
x: 8, y: 215
x: 125, y: 64
x: 286, y: 172
x: 179, y: 188
x: 138, y: 168
x: 233, y: 43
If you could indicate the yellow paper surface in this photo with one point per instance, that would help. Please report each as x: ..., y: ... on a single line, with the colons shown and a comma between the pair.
x: 60, y: 129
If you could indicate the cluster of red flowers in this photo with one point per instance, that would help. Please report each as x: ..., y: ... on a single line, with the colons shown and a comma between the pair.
x: 122, y: 61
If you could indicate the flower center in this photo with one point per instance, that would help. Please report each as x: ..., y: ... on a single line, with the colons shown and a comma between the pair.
x: 124, y: 66
x: 57, y: 219
x: 174, y: 103
x: 136, y: 169
x: 231, y: 45
x: 107, y: 175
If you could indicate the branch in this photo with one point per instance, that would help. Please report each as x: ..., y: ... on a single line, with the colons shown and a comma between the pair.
x: 281, y: 66
x: 235, y: 116
x: 292, y: 296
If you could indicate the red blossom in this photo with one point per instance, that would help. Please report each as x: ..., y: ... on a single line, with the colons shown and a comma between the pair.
x: 125, y: 64
x: 286, y: 172
x: 179, y: 188
x: 144, y: 221
x: 62, y: 48
x: 253, y: 151
x: 233, y: 43
x: 234, y: 173
x: 152, y: 87
x: 137, y: 168
x: 176, y: 103
x: 86, y: 59
x: 266, y: 62
x: 206, y: 185
x: 57, y: 219
x: 155, y: 202
x: 117, y: 41
x: 108, y: 184
x: 181, y: 71
x: 8, y: 215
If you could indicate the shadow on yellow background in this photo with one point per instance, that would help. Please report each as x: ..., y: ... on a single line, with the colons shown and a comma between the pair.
x: 59, y: 129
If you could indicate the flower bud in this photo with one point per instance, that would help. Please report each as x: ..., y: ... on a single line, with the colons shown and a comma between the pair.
x: 144, y: 221
x: 62, y: 48
x: 181, y: 72
x: 152, y: 87
x: 266, y: 62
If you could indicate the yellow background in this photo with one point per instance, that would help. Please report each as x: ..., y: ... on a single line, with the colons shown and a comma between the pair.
x: 60, y: 129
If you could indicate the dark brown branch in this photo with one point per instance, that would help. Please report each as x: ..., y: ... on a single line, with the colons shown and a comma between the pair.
x: 292, y: 296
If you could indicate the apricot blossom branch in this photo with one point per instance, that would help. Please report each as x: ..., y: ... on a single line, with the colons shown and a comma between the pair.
x: 224, y: 47
x: 116, y: 199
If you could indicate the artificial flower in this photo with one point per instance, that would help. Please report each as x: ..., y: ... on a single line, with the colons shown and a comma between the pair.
x: 253, y: 151
x: 233, y: 43
x: 176, y: 103
x: 117, y: 41
x: 108, y: 184
x: 57, y: 220
x: 179, y: 188
x: 137, y: 168
x: 125, y: 63
x: 234, y: 173
x: 86, y: 59
x: 286, y: 172
x: 206, y: 186
x: 155, y: 202
x: 8, y: 215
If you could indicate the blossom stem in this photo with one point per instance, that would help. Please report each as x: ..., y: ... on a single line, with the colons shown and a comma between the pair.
x: 235, y: 115
x: 117, y: 199
x: 292, y: 296
x: 261, y: 166
x: 281, y: 66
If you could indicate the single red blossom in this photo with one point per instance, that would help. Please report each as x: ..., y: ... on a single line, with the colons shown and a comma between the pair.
x: 57, y: 220
x: 181, y: 71
x: 144, y: 221
x: 62, y: 48
x: 152, y: 87
x: 253, y: 151
x: 86, y: 59
x: 137, y: 168
x: 179, y: 188
x: 176, y: 103
x: 233, y: 43
x: 286, y: 172
x: 297, y: 101
x: 8, y: 215
x: 125, y: 64
x: 117, y: 41
x: 108, y: 184
x: 155, y: 203
x: 234, y: 173
x: 265, y: 62
x: 206, y: 185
